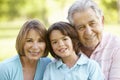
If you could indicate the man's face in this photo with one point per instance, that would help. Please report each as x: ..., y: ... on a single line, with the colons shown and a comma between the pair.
x: 89, y: 28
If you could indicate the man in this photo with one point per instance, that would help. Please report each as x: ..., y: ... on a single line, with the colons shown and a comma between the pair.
x: 88, y: 21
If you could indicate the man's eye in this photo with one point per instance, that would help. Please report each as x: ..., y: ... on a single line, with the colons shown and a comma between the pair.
x: 81, y: 27
x: 93, y: 24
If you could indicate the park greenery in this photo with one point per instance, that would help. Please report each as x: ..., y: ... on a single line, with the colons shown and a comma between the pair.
x: 13, y: 13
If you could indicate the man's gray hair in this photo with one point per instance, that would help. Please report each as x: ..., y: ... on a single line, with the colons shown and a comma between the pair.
x: 81, y: 5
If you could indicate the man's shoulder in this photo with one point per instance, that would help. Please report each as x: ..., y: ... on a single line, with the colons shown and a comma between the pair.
x: 111, y: 39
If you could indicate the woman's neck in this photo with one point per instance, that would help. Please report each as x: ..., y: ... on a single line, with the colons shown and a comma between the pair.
x: 27, y: 62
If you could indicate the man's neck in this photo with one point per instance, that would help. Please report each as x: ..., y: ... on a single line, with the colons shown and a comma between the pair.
x: 88, y: 52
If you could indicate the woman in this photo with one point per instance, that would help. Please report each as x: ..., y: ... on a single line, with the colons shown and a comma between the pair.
x: 31, y: 46
x: 70, y: 64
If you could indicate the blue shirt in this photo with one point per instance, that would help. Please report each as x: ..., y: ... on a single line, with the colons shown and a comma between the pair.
x: 11, y: 69
x: 84, y: 69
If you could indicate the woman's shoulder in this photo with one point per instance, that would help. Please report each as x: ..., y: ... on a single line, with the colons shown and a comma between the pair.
x: 10, y: 61
x: 9, y: 64
x: 44, y: 60
x: 47, y: 59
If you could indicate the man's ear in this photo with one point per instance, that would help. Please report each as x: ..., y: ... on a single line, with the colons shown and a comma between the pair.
x: 103, y: 20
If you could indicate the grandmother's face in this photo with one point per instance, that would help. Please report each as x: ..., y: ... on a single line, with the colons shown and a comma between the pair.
x: 34, y: 46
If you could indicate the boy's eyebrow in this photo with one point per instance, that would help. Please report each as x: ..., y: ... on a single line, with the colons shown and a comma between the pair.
x: 53, y: 40
x: 60, y: 38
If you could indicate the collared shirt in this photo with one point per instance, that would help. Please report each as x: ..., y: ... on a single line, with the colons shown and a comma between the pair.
x: 84, y: 69
x: 11, y: 69
x: 107, y: 54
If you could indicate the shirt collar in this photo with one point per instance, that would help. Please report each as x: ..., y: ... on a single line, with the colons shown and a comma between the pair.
x: 81, y: 61
x: 59, y: 63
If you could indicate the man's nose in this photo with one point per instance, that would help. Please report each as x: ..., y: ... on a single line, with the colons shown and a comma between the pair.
x: 88, y: 30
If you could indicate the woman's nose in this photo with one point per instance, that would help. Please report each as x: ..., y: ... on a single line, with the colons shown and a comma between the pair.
x: 35, y: 45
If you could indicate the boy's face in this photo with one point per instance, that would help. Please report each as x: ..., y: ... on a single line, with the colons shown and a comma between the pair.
x: 61, y: 44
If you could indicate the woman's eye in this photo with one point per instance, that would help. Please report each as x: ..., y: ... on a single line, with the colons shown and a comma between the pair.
x: 29, y: 40
x: 41, y: 40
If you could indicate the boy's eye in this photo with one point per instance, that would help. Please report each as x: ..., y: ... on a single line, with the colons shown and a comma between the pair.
x: 54, y: 42
x: 64, y: 38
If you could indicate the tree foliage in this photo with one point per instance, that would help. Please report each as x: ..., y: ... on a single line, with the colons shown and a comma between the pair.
x: 110, y: 10
x: 12, y: 9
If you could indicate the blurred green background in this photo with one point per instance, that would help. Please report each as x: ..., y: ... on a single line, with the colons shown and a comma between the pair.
x: 13, y: 14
